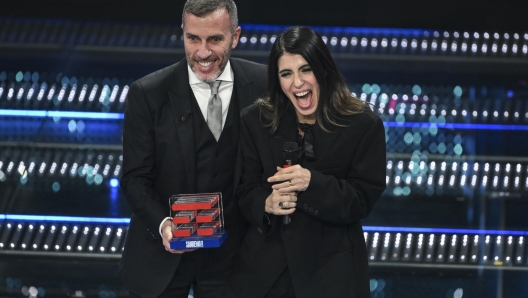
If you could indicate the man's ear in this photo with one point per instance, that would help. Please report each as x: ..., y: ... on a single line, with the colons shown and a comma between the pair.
x: 236, y: 37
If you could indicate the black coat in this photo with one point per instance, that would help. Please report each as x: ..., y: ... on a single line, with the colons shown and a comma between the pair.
x: 323, y: 246
x: 160, y: 161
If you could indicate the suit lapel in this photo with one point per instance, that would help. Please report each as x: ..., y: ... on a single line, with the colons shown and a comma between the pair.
x: 323, y: 141
x: 180, y: 99
x: 242, y: 86
x: 244, y: 94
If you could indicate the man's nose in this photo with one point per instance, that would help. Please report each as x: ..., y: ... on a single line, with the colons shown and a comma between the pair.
x: 203, y: 52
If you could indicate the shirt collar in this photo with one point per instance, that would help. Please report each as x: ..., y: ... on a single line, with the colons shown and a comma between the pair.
x: 227, y: 75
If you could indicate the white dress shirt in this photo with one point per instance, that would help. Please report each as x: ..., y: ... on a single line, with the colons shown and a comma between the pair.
x: 202, y: 92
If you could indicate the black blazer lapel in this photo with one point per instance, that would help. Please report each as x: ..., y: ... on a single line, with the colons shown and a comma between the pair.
x: 180, y: 99
x: 323, y: 141
x: 245, y: 94
x: 242, y: 86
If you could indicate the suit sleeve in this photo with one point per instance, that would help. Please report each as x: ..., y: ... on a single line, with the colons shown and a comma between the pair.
x: 253, y: 190
x: 346, y: 201
x: 139, y: 158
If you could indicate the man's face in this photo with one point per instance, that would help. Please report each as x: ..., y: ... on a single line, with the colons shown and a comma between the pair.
x: 208, y: 42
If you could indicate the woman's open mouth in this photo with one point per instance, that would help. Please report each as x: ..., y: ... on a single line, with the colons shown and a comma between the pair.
x: 304, y: 99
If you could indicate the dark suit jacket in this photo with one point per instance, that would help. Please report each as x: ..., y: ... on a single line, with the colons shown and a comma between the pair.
x: 323, y: 246
x: 159, y: 161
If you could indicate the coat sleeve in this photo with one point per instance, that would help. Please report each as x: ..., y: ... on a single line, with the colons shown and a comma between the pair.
x: 253, y: 190
x: 346, y: 201
x: 139, y: 158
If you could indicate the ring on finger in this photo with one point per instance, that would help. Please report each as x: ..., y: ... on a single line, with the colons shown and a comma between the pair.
x: 289, y: 181
x: 281, y: 204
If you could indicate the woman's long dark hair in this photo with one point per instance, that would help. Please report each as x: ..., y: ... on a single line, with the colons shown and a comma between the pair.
x: 335, y: 100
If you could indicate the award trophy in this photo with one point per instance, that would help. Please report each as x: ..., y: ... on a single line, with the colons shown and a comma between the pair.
x: 197, y: 220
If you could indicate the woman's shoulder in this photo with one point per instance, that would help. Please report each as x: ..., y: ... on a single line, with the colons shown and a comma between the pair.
x: 367, y: 116
x: 259, y: 111
x: 250, y: 111
x: 252, y: 116
x: 363, y: 120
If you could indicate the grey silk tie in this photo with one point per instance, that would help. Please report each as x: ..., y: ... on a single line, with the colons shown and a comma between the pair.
x: 214, y: 110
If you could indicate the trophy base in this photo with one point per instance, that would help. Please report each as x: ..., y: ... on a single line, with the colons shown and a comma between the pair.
x: 215, y: 240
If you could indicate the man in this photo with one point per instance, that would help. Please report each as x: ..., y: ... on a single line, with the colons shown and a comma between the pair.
x: 179, y: 138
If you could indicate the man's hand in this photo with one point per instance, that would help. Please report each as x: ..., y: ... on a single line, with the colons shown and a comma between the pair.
x: 166, y: 234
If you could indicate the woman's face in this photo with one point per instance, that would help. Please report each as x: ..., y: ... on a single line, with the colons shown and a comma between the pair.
x: 298, y: 82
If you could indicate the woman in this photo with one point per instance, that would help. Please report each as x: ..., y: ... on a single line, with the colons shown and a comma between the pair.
x: 341, y: 173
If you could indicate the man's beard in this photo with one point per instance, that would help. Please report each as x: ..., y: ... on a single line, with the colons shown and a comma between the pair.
x: 214, y: 77
x: 221, y: 68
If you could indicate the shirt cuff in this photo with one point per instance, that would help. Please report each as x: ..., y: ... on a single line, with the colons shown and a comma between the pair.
x: 161, y: 224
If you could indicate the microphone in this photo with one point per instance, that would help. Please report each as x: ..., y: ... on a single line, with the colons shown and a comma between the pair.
x: 289, y: 154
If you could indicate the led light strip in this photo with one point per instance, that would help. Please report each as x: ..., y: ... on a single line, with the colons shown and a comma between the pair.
x: 49, y: 218
x: 340, y: 30
x: 65, y: 114
x: 442, y: 230
x: 120, y: 116
x: 461, y: 126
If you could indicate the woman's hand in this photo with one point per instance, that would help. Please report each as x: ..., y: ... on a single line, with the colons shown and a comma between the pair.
x: 280, y: 203
x: 293, y: 179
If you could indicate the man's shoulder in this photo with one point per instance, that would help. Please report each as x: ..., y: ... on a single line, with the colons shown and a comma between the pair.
x: 248, y: 71
x: 248, y: 63
x: 159, y: 77
x: 249, y: 66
